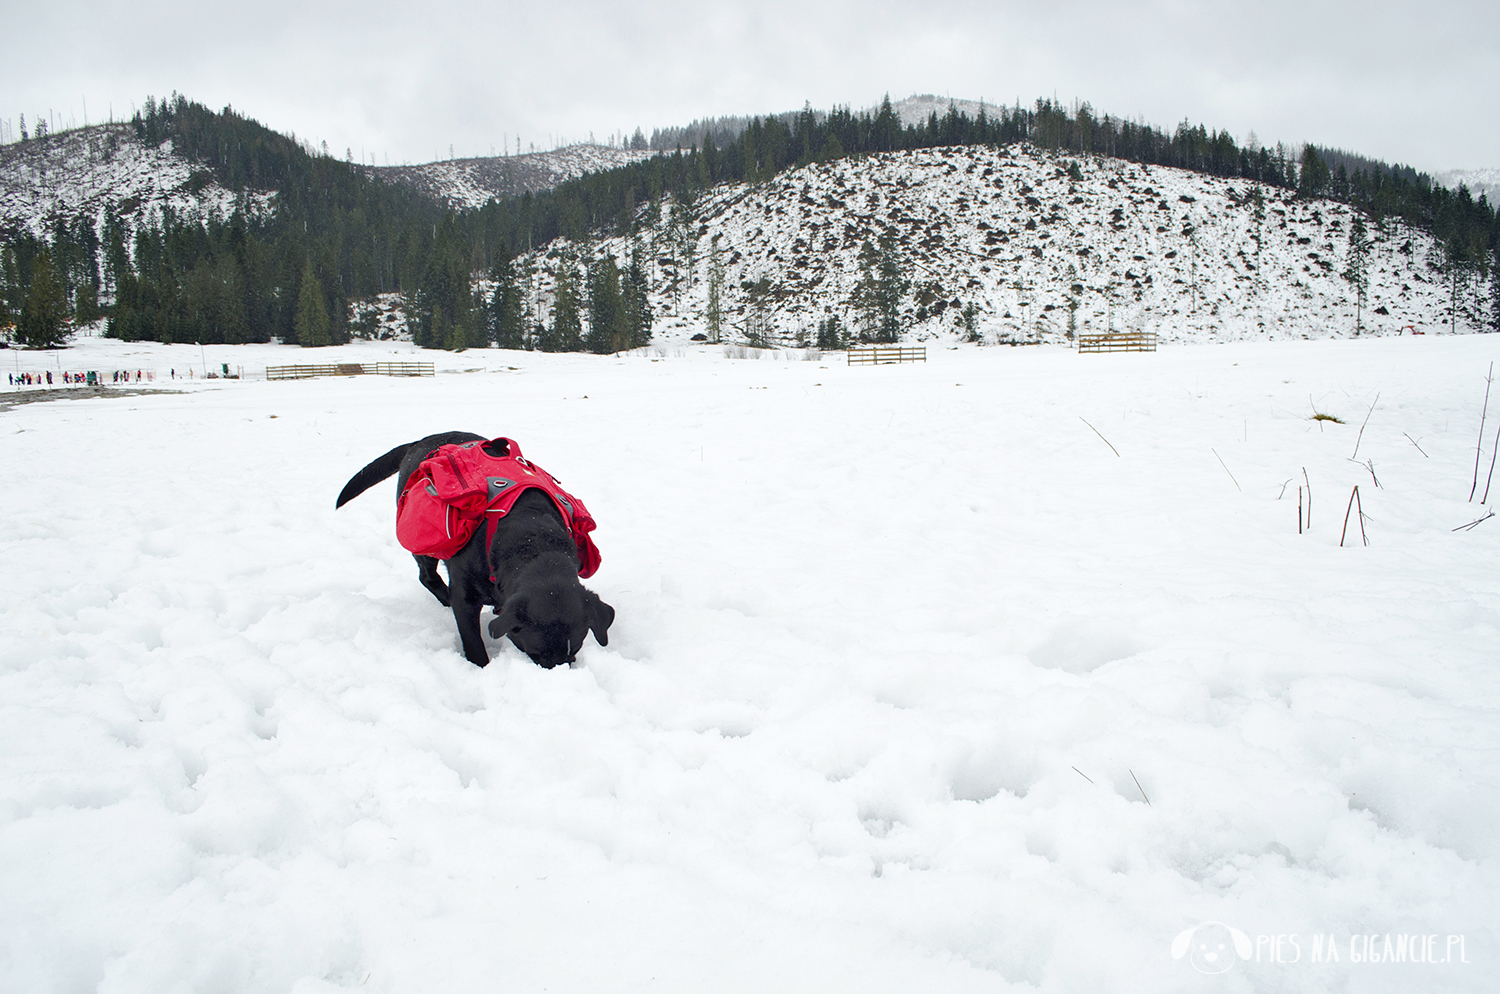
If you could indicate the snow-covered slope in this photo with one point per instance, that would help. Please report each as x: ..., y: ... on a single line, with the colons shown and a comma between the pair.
x: 915, y: 109
x: 1011, y: 232
x: 467, y: 183
x: 1479, y: 181
x: 86, y: 172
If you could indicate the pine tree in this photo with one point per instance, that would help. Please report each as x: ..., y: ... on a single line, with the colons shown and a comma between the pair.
x: 831, y: 334
x: 715, y: 310
x: 1357, y: 266
x: 505, y: 308
x: 1495, y: 292
x: 609, y: 329
x: 11, y: 295
x: 970, y: 319
x: 44, y: 315
x: 566, y: 333
x: 311, y: 323
x: 881, y: 288
x: 635, y: 288
x: 757, y: 312
x: 1315, y: 175
x: 1258, y: 215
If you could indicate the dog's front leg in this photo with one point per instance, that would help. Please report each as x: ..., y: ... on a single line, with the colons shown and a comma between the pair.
x: 466, y: 616
x: 427, y: 572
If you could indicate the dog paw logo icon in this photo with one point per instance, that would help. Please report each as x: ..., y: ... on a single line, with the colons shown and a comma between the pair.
x: 1211, y: 946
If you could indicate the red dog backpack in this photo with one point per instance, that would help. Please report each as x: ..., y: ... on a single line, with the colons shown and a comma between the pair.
x: 457, y: 486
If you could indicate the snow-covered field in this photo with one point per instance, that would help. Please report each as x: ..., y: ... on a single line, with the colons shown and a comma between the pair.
x: 901, y: 654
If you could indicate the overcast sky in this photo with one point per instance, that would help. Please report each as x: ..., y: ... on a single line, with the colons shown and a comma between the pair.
x: 1410, y: 82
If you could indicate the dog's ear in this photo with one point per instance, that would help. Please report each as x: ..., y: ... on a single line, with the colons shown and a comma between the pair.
x: 507, y: 620
x: 1180, y: 944
x: 601, y: 616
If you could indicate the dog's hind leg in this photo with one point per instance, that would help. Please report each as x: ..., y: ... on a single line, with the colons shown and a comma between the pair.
x: 427, y: 572
x: 466, y: 616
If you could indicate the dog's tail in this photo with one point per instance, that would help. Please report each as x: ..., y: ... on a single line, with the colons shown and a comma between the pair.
x: 382, y: 468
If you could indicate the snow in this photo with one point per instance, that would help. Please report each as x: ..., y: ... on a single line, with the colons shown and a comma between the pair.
x: 914, y: 684
x: 1010, y: 231
x: 1481, y: 182
x: 88, y: 172
x: 468, y: 184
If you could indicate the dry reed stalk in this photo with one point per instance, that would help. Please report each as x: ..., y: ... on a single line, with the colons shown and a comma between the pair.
x: 1226, y: 469
x: 1479, y: 446
x: 1361, y: 434
x: 1105, y: 440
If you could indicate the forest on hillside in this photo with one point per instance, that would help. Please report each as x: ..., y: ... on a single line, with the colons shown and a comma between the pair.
x: 338, y: 234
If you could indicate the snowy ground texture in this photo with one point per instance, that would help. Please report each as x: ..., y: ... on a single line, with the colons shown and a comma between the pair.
x: 901, y: 654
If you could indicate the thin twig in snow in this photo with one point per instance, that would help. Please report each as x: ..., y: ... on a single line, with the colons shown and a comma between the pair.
x: 1096, y: 432
x: 1309, y: 496
x: 1226, y: 469
x: 1368, y: 464
x: 1353, y: 502
x: 1361, y: 434
x: 1283, y: 487
x: 1479, y: 446
x: 1082, y: 774
x: 1493, y: 449
x: 1471, y: 524
x: 1419, y: 448
x: 1139, y: 787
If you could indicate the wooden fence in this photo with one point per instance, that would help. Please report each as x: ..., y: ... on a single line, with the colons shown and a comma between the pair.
x: 351, y: 369
x: 880, y: 354
x: 1128, y: 341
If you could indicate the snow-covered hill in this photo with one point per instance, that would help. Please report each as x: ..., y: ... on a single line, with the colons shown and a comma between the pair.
x: 1484, y: 182
x: 915, y: 109
x: 86, y: 172
x: 1011, y: 232
x: 468, y: 183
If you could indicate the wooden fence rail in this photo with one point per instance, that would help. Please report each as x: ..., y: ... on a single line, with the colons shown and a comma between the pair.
x: 881, y: 354
x: 305, y: 372
x: 1129, y: 341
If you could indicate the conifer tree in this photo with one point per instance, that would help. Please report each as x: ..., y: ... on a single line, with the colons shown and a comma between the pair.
x: 1315, y: 175
x: 635, y: 289
x: 831, y: 334
x: 715, y: 309
x: 757, y: 312
x: 880, y: 290
x: 566, y: 333
x: 609, y: 329
x: 11, y: 294
x: 1356, y: 268
x: 311, y: 323
x: 44, y: 315
x: 1495, y: 292
x: 505, y: 308
x: 1257, y: 215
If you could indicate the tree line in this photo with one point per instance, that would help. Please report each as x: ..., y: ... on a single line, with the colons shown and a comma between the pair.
x: 335, y: 233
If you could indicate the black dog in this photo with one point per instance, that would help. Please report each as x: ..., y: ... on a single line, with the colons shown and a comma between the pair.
x: 537, y: 598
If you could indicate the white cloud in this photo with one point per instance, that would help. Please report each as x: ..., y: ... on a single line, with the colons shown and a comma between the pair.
x: 1388, y: 80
